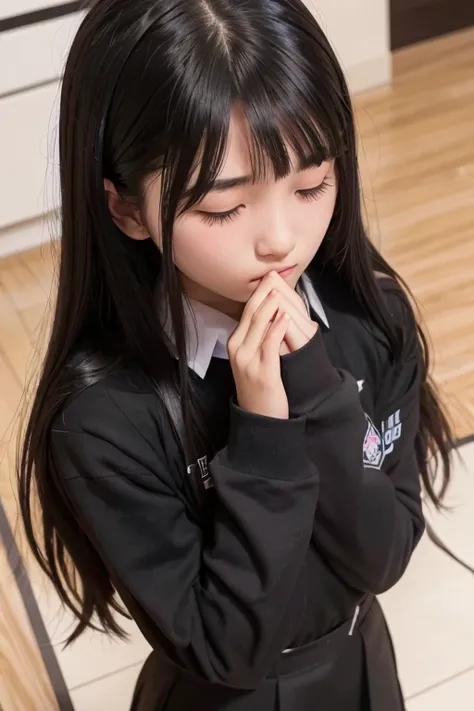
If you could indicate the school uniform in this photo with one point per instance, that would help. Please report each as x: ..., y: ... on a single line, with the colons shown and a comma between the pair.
x: 253, y: 572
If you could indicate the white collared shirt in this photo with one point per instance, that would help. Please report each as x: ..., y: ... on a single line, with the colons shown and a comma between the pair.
x: 208, y: 330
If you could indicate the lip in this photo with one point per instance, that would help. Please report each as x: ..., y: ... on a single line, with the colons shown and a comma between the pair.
x: 284, y: 273
x: 287, y: 272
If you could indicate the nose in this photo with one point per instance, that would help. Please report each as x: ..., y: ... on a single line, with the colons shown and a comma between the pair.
x: 276, y: 239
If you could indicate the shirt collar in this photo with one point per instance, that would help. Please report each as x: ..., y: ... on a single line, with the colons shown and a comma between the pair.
x: 306, y: 289
x: 208, y: 330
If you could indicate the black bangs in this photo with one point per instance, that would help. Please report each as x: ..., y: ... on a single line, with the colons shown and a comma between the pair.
x: 281, y: 145
x: 288, y: 86
x: 290, y: 125
x: 278, y: 144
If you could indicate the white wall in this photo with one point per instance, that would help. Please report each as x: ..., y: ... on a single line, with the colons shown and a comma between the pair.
x: 11, y: 8
x: 359, y: 31
x: 31, y: 61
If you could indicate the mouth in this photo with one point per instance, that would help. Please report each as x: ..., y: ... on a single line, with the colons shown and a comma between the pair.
x: 284, y: 273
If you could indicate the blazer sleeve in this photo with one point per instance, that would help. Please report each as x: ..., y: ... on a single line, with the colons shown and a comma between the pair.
x: 230, y: 605
x: 369, y: 517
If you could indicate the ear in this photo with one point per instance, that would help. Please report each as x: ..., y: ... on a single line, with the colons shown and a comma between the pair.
x: 124, y: 213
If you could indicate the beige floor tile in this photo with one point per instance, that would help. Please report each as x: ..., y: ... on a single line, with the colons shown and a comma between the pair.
x: 114, y: 692
x: 430, y: 611
x: 93, y: 655
x: 456, y: 694
x: 456, y: 526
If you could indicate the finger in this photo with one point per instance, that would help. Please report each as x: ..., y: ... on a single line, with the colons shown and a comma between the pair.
x: 292, y: 295
x: 284, y: 350
x: 255, y: 301
x: 243, y: 326
x: 303, y: 321
x: 295, y: 338
x: 260, y: 323
x: 270, y: 349
x: 270, y: 281
x: 277, y: 315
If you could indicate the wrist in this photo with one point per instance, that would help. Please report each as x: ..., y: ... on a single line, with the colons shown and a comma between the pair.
x: 267, y: 446
x: 308, y: 376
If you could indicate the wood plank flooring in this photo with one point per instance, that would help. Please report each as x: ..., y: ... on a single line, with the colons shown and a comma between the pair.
x: 418, y: 172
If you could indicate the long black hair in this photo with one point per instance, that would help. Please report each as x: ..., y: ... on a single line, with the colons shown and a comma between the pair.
x: 149, y: 86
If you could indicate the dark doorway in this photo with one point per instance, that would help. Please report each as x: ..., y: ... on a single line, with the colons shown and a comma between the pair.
x: 417, y: 20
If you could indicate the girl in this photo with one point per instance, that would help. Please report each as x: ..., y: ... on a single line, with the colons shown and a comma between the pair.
x: 234, y: 410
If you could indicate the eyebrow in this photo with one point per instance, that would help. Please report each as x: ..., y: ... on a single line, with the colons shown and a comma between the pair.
x: 221, y: 185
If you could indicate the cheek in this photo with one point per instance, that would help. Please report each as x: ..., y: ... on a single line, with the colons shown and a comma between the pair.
x: 192, y: 249
x: 316, y: 222
x: 202, y: 253
x: 213, y: 257
x: 328, y: 209
x: 329, y: 206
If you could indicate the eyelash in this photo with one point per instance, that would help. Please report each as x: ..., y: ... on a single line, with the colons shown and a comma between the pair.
x: 220, y: 218
x: 315, y: 193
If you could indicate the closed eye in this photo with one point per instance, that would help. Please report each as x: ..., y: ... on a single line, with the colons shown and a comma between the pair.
x: 315, y: 193
x: 220, y: 218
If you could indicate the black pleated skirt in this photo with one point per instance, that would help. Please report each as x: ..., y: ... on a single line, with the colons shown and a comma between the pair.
x: 351, y: 669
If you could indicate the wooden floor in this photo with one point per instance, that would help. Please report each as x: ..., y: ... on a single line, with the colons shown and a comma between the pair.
x: 418, y: 169
x: 25, y: 285
x: 417, y: 155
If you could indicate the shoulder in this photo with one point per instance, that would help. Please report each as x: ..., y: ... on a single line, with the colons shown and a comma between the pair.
x: 349, y: 316
x: 388, y: 284
x: 116, y: 430
x: 391, y: 290
x: 408, y: 351
x: 120, y: 409
x: 396, y: 300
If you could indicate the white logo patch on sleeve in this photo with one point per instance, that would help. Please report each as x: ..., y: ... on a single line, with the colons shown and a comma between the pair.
x: 391, y: 431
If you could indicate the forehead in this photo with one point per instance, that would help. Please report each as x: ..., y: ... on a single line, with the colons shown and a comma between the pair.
x: 254, y: 149
x: 239, y: 156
